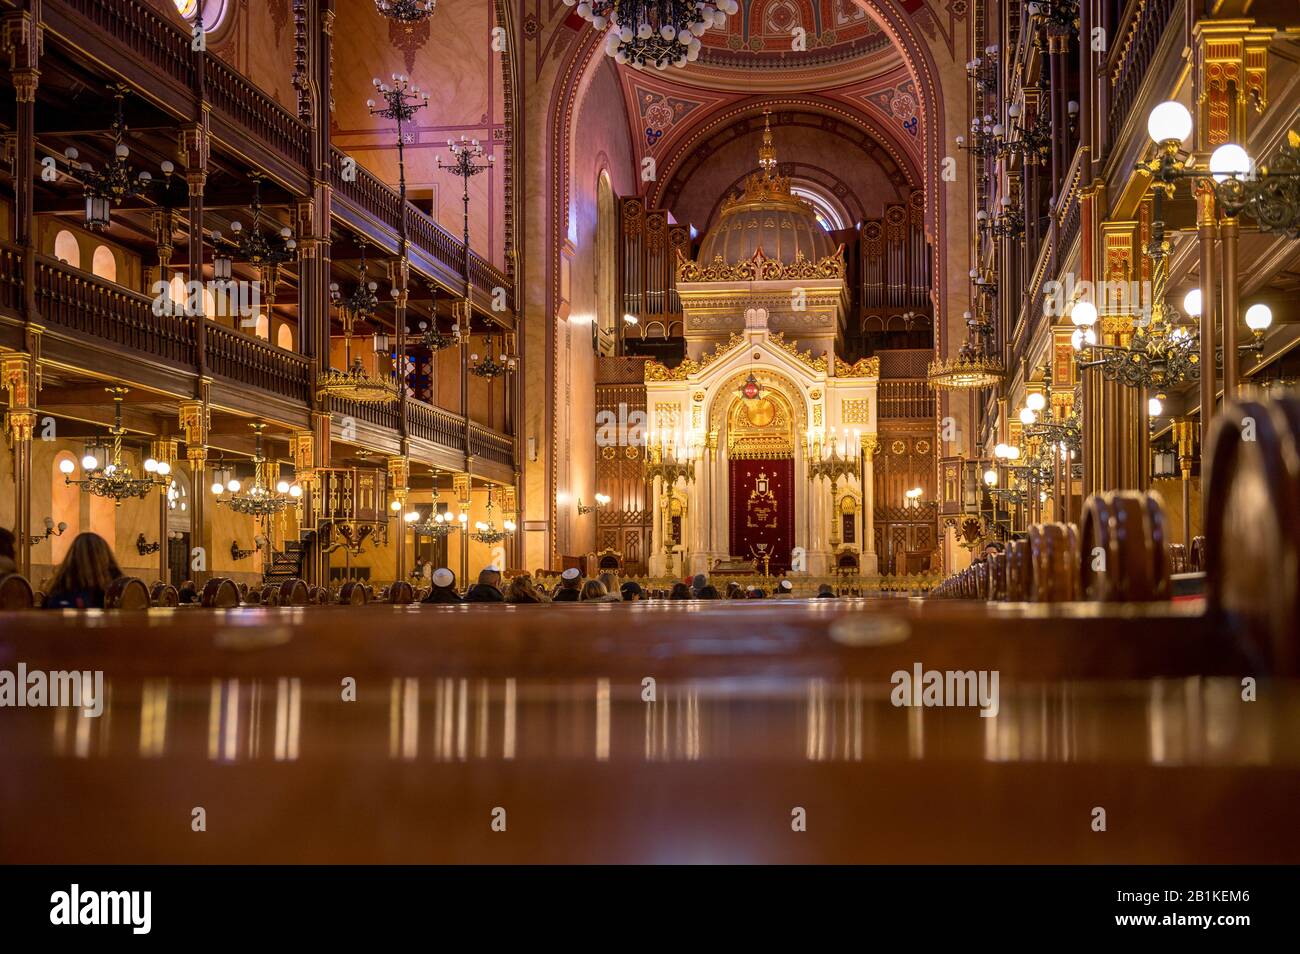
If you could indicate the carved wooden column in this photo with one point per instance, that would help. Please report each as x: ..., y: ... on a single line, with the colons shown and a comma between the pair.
x: 399, y: 479
x: 20, y: 377
x: 461, y: 487
x: 194, y: 419
x: 302, y: 451
x: 1207, y: 231
x: 1184, y: 432
x: 194, y: 144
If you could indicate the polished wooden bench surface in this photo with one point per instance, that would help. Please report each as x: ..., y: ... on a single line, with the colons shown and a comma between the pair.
x: 760, y: 708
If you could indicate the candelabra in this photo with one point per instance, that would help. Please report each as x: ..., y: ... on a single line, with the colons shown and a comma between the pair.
x: 1032, y: 140
x: 354, y: 382
x: 490, y: 367
x: 438, y: 525
x: 985, y: 134
x: 974, y: 366
x: 669, y: 459
x: 431, y: 336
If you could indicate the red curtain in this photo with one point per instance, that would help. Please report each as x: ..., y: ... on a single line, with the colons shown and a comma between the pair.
x: 762, y: 509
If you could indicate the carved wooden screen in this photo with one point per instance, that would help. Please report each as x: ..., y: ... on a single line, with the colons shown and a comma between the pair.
x: 622, y: 525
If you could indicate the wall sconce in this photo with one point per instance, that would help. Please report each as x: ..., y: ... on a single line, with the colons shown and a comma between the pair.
x: 144, y: 548
x: 601, y: 501
x: 239, y: 554
x: 50, y: 531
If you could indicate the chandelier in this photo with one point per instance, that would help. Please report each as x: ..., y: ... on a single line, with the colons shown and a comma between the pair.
x: 438, y: 525
x: 408, y: 12
x: 112, y: 478
x: 490, y: 367
x: 431, y: 336
x: 257, y: 500
x: 117, y: 180
x: 654, y: 33
x: 354, y: 382
x: 485, y: 531
x: 252, y: 245
x: 973, y: 367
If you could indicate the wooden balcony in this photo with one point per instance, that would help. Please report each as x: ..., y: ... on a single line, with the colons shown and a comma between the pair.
x: 100, y: 325
x: 138, y: 46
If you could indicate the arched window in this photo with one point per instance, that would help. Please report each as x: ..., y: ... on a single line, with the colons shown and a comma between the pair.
x: 828, y: 216
x: 284, y: 337
x: 104, y: 264
x: 66, y: 249
x: 263, y: 328
x: 606, y: 263
x: 214, y: 11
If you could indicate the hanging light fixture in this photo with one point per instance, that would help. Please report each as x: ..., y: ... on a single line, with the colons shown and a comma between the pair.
x: 973, y: 367
x: 654, y: 33
x: 107, y: 475
x: 485, y: 531
x: 353, y: 382
x: 488, y: 366
x: 258, y: 499
x: 407, y: 12
x: 118, y: 180
x: 431, y: 336
x: 252, y: 245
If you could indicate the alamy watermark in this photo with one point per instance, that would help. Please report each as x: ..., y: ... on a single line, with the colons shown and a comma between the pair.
x: 946, y: 687
x: 76, y: 689
x: 74, y: 906
x: 1110, y: 297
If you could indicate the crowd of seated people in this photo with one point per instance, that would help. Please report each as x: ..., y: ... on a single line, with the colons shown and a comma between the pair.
x: 605, y: 588
x: 84, y: 578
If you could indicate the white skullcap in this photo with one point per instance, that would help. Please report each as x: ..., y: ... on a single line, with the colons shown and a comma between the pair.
x: 443, y: 577
x: 786, y: 585
x: 572, y: 573
x: 491, y: 569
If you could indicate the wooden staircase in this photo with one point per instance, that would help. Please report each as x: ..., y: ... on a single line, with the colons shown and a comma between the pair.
x: 287, y: 564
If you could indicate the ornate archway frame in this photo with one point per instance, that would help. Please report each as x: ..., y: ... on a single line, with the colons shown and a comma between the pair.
x: 570, y: 86
x: 698, y: 402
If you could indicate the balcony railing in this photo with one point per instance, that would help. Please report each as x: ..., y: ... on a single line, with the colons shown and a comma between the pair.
x: 247, y: 360
x: 372, y: 195
x: 105, y: 311
x: 1140, y: 28
x: 490, y: 445
x: 11, y: 278
x: 252, y: 109
x: 135, y: 25
x: 435, y: 424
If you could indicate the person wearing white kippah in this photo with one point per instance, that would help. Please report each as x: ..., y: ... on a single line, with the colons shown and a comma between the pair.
x: 570, y: 589
x: 444, y: 587
x: 784, y: 591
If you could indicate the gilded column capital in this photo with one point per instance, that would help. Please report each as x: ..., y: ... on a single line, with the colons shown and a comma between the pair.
x: 19, y: 425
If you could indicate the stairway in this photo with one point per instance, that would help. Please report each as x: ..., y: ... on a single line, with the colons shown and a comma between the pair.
x: 287, y: 564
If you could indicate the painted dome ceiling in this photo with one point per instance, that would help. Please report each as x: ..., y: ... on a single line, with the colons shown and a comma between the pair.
x: 763, y: 34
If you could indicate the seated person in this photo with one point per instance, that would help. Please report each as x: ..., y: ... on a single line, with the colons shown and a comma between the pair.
x: 594, y: 591
x: 698, y: 583
x: 680, y: 592
x: 487, y: 589
x: 735, y: 591
x: 570, y: 588
x: 631, y: 591
x: 707, y: 592
x: 784, y: 591
x: 8, y: 553
x: 84, y: 576
x: 757, y: 593
x: 522, y: 590
x: 824, y: 592
x: 444, y: 588
x: 611, y: 584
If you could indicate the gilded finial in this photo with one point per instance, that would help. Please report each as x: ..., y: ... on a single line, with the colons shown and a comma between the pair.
x: 767, y: 151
